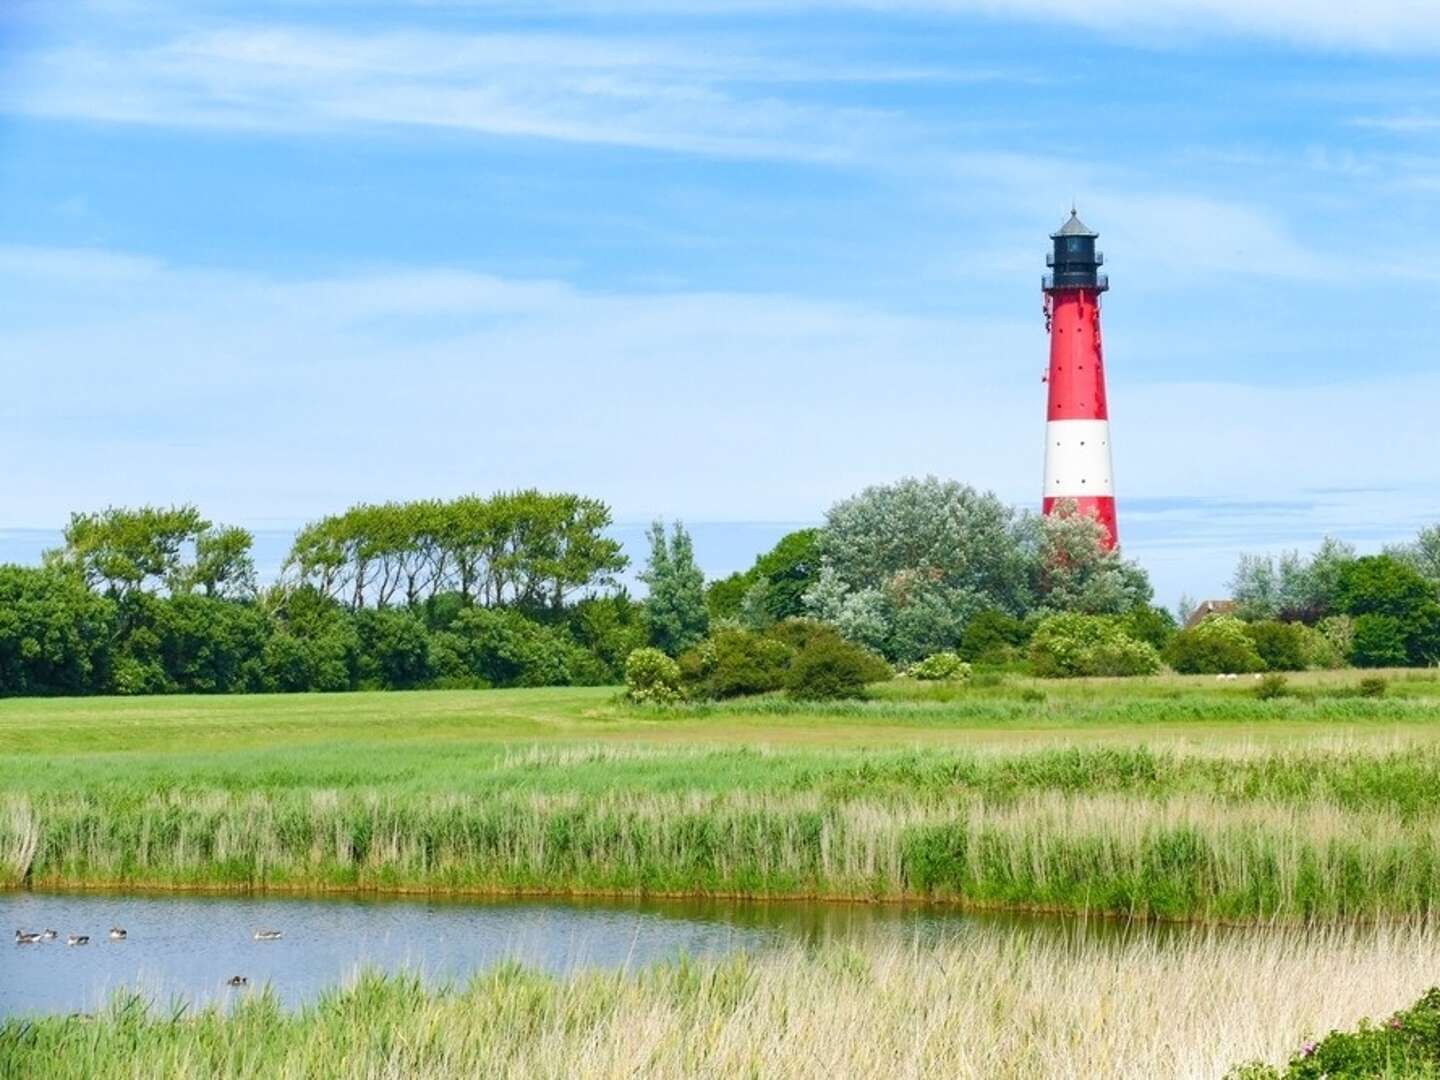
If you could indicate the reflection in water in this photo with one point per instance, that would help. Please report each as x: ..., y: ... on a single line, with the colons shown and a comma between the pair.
x: 189, y: 947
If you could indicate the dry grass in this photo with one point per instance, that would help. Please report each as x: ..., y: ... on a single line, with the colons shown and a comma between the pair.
x: 993, y: 1006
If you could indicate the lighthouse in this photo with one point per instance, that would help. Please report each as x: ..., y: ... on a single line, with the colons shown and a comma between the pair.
x: 1077, y: 428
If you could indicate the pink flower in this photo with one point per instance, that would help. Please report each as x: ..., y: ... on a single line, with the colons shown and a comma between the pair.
x: 1307, y: 1049
x: 1395, y: 1024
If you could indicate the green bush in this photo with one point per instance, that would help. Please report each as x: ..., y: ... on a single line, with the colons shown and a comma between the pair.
x: 1281, y: 645
x: 1379, y: 641
x: 1372, y: 686
x: 1219, y: 645
x: 829, y: 668
x: 1405, y: 1045
x: 1153, y: 625
x: 994, y: 637
x: 1318, y: 649
x: 946, y: 666
x: 733, y: 663
x: 651, y: 676
x: 1071, y: 645
x: 1273, y: 685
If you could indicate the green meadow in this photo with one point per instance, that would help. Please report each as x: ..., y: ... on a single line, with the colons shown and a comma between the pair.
x: 1176, y: 798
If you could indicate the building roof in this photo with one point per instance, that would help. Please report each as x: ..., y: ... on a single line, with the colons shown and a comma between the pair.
x: 1073, y: 227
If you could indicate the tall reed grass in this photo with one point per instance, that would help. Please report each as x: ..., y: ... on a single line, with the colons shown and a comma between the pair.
x: 991, y: 1006
x: 1180, y: 855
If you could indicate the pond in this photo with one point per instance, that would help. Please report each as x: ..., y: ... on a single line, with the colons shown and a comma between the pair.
x: 186, y: 947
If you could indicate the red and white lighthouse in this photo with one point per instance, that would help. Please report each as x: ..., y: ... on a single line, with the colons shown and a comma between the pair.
x: 1077, y: 429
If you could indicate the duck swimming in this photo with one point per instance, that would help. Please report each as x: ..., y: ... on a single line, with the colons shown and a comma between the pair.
x: 117, y: 934
x: 22, y: 938
x: 78, y: 939
x: 49, y: 935
x: 268, y: 935
x: 237, y: 980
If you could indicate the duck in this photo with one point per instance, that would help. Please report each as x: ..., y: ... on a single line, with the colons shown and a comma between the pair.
x: 237, y: 980
x: 78, y: 939
x: 117, y: 934
x: 268, y: 935
x: 49, y: 935
x: 22, y: 938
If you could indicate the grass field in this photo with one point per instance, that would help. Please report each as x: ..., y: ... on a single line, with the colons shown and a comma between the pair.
x: 984, y: 1007
x: 1172, y: 797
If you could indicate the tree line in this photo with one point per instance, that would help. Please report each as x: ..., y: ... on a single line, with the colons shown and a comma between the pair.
x: 520, y: 589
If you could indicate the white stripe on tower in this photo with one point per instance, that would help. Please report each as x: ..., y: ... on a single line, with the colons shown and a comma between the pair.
x: 1077, y: 459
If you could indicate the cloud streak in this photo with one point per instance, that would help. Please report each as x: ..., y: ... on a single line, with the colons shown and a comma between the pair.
x: 598, y: 90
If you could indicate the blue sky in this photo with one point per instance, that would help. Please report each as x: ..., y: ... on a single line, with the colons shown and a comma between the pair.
x: 722, y: 261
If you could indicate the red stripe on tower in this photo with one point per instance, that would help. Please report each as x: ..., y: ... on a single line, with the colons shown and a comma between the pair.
x: 1077, y: 429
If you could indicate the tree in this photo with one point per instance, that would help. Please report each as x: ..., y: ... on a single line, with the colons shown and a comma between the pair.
x: 1077, y: 571
x: 1423, y: 554
x: 1281, y: 645
x: 676, y: 606
x: 905, y: 566
x: 56, y: 636
x: 774, y: 588
x: 1383, y: 585
x: 127, y: 550
x: 223, y: 566
x: 1290, y: 588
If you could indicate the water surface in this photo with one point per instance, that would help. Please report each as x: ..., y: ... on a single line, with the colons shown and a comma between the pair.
x: 186, y: 947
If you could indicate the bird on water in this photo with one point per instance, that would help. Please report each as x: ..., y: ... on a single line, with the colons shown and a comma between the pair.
x: 268, y: 935
x: 22, y: 938
x: 237, y: 980
x: 49, y: 935
x: 78, y: 939
x: 117, y: 934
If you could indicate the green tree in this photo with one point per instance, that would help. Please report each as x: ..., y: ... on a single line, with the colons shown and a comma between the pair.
x: 223, y: 566
x: 774, y: 588
x: 1076, y: 570
x: 127, y: 550
x: 1379, y: 641
x: 1384, y: 585
x: 1281, y: 645
x: 675, y: 607
x: 55, y: 634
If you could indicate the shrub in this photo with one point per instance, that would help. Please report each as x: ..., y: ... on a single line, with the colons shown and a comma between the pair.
x: 504, y: 648
x: 733, y: 663
x: 1318, y: 650
x: 1281, y: 645
x: 941, y: 666
x: 1218, y: 645
x: 993, y: 637
x: 1272, y: 686
x: 651, y: 676
x: 1152, y: 625
x: 1407, y: 1044
x: 1372, y: 686
x: 829, y: 668
x: 1069, y: 645
x: 1379, y: 641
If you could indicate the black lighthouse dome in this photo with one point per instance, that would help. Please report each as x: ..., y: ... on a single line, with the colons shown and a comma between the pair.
x: 1075, y: 262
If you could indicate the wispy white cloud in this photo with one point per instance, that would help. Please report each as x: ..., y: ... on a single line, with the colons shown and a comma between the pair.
x: 600, y: 89
x: 1382, y: 25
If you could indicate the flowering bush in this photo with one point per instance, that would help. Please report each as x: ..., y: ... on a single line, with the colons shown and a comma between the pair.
x: 941, y: 666
x: 651, y: 676
x: 1407, y: 1044
x: 1072, y: 645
